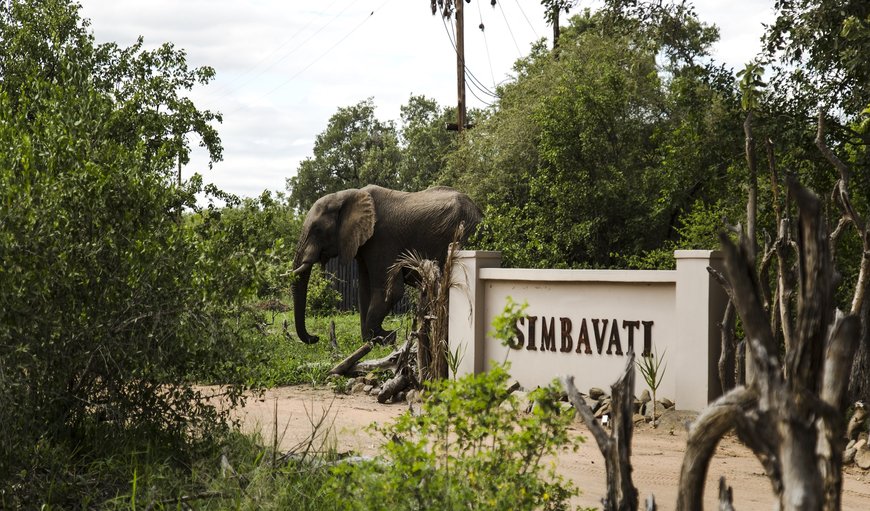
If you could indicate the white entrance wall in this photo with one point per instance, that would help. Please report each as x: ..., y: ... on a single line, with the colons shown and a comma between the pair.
x: 583, y: 322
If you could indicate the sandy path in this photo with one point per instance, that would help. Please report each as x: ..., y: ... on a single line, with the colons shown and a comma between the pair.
x: 656, y: 456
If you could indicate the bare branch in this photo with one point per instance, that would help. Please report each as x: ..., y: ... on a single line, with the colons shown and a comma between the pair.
x: 704, y: 435
x: 616, y: 448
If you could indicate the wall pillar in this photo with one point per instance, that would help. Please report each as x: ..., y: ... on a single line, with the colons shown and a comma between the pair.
x: 467, y: 329
x: 700, y: 304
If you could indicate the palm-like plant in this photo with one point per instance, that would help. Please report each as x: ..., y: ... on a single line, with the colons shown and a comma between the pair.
x: 652, y: 370
x: 432, y: 308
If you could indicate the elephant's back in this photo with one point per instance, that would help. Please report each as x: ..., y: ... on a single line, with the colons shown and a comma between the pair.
x: 426, y: 220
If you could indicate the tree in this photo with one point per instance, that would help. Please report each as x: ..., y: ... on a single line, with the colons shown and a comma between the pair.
x: 595, y: 155
x: 821, y: 49
x: 552, y: 10
x: 817, y: 54
x: 425, y: 142
x: 354, y: 150
x: 109, y: 305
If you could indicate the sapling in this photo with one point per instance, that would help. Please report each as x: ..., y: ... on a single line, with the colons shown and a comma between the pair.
x: 652, y: 370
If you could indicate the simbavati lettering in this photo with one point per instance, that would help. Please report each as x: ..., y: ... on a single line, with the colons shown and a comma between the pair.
x: 583, y: 338
x: 599, y: 335
x: 548, y: 334
x: 609, y: 331
x: 533, y: 320
x: 567, y: 342
x: 614, y: 340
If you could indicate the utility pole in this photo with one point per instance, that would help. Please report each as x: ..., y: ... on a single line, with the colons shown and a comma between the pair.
x: 460, y: 66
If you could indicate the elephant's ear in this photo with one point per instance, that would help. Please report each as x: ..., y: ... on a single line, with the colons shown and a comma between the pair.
x: 356, y: 223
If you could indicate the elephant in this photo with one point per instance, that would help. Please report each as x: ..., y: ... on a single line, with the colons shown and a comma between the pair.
x: 375, y: 225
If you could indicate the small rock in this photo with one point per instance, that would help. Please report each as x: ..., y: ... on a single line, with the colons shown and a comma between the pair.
x: 592, y: 403
x: 644, y: 396
x: 368, y: 388
x: 638, y: 418
x: 849, y: 455
x: 860, y: 443
x: 648, y: 412
x: 371, y: 379
x: 602, y: 411
x: 667, y: 403
x: 596, y: 393
x: 857, y: 421
x: 400, y: 397
x: 862, y: 457
x: 375, y: 391
x: 358, y: 387
x: 413, y: 396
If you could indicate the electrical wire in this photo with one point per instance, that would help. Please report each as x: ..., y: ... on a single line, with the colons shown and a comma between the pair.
x: 291, y: 52
x: 527, y: 19
x: 487, y: 103
x: 472, y: 78
x: 519, y: 52
x: 227, y: 88
x: 318, y: 59
x: 329, y: 50
x: 485, y: 43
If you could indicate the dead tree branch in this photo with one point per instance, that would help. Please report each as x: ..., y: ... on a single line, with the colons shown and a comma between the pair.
x: 704, y: 435
x: 616, y: 447
x: 345, y: 365
x: 790, y: 415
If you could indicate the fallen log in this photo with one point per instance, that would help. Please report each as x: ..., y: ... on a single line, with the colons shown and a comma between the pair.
x: 392, y: 362
x: 344, y: 367
x: 394, y: 386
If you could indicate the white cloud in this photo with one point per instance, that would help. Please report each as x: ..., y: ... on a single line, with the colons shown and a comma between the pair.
x: 283, y: 68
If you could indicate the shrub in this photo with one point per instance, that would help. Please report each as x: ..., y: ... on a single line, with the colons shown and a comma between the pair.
x: 108, y: 303
x: 473, y: 447
x: 323, y: 298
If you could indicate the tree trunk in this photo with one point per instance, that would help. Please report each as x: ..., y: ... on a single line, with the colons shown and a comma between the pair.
x: 616, y: 448
x: 859, y: 381
x: 791, y: 413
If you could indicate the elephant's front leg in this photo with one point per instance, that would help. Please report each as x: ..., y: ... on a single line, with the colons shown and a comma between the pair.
x: 364, y: 297
x: 381, y: 302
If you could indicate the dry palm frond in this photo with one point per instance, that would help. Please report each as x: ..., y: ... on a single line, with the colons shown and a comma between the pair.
x: 431, y: 311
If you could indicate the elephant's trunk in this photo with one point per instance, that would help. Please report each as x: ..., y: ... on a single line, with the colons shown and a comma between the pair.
x: 300, y: 296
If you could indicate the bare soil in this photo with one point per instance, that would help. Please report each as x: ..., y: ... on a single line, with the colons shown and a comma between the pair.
x: 656, y: 453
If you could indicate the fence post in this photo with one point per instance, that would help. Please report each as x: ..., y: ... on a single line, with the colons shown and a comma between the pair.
x: 467, y: 330
x: 700, y: 304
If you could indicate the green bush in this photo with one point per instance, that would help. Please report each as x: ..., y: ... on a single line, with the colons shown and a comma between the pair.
x: 323, y: 298
x: 109, y: 305
x: 473, y: 447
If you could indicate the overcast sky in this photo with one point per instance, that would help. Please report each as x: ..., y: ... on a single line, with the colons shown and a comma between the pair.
x: 285, y: 66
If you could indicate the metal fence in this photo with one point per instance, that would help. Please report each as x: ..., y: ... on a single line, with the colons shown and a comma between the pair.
x: 345, y: 279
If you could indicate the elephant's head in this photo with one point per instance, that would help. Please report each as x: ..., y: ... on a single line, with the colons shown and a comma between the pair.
x: 337, y: 225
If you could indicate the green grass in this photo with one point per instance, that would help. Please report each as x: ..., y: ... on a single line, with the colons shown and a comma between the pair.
x: 286, y: 361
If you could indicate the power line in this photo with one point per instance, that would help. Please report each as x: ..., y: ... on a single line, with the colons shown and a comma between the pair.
x: 329, y: 50
x: 294, y: 50
x: 527, y: 19
x: 474, y: 80
x: 228, y: 89
x: 519, y: 53
x: 320, y: 57
x: 485, y: 43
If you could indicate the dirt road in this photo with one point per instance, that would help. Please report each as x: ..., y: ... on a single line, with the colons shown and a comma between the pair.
x: 656, y: 453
